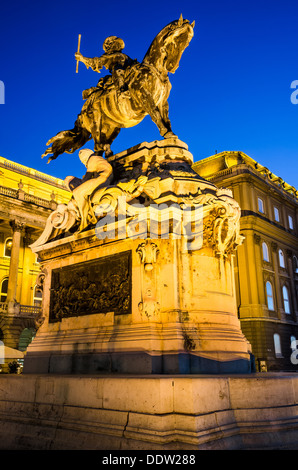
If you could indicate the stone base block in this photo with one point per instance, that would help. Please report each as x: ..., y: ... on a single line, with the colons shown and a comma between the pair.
x: 48, y: 412
x: 133, y: 363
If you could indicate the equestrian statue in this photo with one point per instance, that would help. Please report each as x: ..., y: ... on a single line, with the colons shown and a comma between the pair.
x: 127, y: 94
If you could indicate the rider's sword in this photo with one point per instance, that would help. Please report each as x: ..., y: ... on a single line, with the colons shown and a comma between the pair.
x: 79, y: 44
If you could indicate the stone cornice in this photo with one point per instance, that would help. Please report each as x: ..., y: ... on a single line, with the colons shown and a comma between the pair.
x: 29, y: 213
x: 262, y: 225
x: 32, y: 173
x: 230, y: 160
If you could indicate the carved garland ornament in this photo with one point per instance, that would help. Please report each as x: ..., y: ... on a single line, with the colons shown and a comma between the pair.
x: 149, y: 306
x: 221, y: 227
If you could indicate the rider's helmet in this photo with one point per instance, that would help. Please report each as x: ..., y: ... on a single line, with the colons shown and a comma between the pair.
x: 113, y: 44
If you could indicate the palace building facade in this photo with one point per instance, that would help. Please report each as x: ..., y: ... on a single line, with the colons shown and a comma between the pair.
x: 27, y: 197
x: 266, y: 264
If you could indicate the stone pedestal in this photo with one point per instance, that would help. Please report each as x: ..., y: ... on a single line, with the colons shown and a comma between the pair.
x: 149, y: 289
x: 161, y: 413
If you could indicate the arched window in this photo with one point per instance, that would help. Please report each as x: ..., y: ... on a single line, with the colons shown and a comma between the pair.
x: 4, y: 287
x: 265, y: 251
x: 37, y: 296
x: 269, y: 293
x: 277, y: 345
x: 8, y: 247
x: 285, y: 295
x: 281, y: 258
x: 293, y: 343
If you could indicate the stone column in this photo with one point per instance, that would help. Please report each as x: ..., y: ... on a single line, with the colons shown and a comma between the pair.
x: 26, y: 287
x: 259, y: 299
x: 17, y: 228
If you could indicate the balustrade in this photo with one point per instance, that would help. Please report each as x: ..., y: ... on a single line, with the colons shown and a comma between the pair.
x: 23, y: 310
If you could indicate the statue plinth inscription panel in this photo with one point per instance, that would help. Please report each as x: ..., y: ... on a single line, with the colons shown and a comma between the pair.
x: 98, y: 286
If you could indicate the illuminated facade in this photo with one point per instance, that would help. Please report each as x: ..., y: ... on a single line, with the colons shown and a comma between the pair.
x: 27, y: 197
x: 266, y: 271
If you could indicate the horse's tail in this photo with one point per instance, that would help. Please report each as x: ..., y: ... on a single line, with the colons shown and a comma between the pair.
x: 67, y: 141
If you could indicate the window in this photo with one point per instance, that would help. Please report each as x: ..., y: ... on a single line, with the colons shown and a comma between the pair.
x: 285, y: 295
x: 8, y: 247
x: 291, y: 223
x: 260, y: 205
x: 295, y: 264
x: 293, y: 343
x: 276, y: 214
x: 265, y: 251
x: 269, y: 293
x: 4, y: 287
x: 277, y: 345
x: 37, y: 296
x: 281, y: 259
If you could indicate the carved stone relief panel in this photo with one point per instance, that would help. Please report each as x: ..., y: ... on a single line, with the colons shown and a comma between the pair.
x: 98, y: 286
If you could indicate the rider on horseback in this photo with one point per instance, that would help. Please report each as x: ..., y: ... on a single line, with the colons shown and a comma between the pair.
x: 113, y: 60
x: 105, y: 113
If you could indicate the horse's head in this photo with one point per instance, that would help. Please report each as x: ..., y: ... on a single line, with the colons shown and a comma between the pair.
x: 177, y: 38
x: 166, y: 50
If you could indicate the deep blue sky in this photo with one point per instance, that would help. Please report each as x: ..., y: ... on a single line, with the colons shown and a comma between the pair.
x: 231, y: 91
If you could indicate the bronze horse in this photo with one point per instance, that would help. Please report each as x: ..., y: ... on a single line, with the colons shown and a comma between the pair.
x: 105, y: 111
